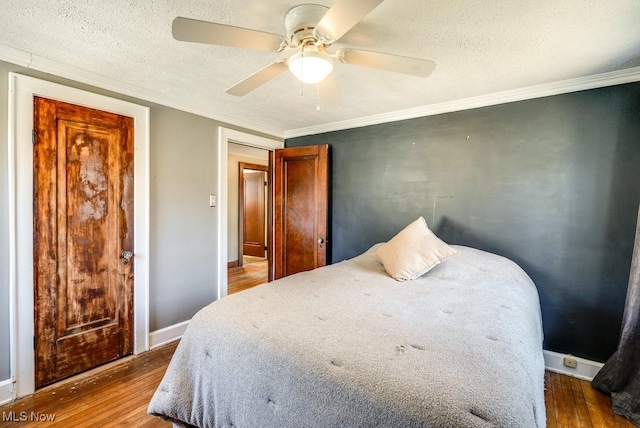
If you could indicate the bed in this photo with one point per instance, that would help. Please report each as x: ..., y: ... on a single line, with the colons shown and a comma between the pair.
x: 346, y: 345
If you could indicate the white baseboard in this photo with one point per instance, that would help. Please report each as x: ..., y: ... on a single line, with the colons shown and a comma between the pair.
x: 586, y: 369
x: 6, y: 391
x: 168, y: 334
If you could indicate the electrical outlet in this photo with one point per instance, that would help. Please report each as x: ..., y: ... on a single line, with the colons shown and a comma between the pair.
x: 570, y: 361
x: 213, y: 201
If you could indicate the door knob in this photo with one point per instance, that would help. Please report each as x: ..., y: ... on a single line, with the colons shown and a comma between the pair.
x: 320, y: 242
x: 126, y: 256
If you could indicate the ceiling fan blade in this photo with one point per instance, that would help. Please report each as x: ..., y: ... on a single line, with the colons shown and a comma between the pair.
x: 343, y: 15
x: 258, y: 78
x: 399, y: 64
x: 328, y: 94
x: 193, y: 30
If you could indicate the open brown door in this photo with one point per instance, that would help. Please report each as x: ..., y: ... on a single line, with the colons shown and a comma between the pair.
x: 300, y: 189
x: 83, y: 238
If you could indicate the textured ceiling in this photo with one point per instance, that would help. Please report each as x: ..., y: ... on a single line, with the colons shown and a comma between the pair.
x: 480, y: 47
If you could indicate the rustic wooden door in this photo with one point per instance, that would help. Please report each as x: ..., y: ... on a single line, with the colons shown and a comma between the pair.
x: 301, y: 181
x: 252, y: 210
x: 83, y: 238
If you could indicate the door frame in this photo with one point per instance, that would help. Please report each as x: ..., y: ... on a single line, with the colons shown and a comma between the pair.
x: 21, y: 282
x: 226, y: 136
x: 253, y: 167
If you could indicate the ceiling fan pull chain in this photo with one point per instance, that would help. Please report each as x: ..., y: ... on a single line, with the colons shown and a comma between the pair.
x: 302, y: 65
x: 301, y: 73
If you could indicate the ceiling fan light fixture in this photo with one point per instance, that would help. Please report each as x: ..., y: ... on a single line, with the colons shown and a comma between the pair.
x: 310, y: 65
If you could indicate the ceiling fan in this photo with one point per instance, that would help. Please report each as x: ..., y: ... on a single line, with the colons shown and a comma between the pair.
x: 311, y: 30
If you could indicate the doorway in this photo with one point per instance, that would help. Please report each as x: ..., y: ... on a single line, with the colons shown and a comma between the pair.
x: 228, y: 139
x: 239, y: 158
x: 248, y: 225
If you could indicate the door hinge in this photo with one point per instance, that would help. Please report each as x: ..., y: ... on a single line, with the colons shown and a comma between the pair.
x: 34, y: 136
x: 35, y: 342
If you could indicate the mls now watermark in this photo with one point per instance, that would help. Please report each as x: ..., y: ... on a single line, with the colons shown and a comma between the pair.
x: 28, y: 417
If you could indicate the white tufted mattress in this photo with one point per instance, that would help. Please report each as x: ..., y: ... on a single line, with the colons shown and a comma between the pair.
x: 347, y: 346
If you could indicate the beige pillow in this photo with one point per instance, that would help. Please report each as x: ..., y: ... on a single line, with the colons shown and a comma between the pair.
x: 413, y: 252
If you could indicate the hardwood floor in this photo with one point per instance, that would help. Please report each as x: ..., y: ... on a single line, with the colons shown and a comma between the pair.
x: 572, y: 402
x: 247, y: 276
x: 117, y: 396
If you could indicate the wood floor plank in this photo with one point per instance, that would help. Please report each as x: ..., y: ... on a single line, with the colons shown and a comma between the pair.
x: 584, y: 420
x: 107, y: 389
x: 590, y: 404
x: 137, y: 416
x: 247, y: 276
x: 569, y: 402
x: 116, y: 409
x: 112, y: 401
x: 559, y: 406
x: 549, y: 398
x: 599, y: 408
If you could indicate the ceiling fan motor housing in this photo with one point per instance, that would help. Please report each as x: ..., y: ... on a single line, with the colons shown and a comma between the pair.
x: 300, y: 22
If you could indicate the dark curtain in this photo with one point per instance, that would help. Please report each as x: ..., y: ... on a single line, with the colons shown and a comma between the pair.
x: 620, y: 376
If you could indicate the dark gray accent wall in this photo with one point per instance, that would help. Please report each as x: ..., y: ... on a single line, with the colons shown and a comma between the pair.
x: 552, y: 183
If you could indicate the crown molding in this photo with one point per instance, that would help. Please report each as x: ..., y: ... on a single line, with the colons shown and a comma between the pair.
x: 35, y: 62
x: 612, y: 78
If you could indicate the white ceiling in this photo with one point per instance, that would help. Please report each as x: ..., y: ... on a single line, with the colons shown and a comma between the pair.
x: 480, y: 47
